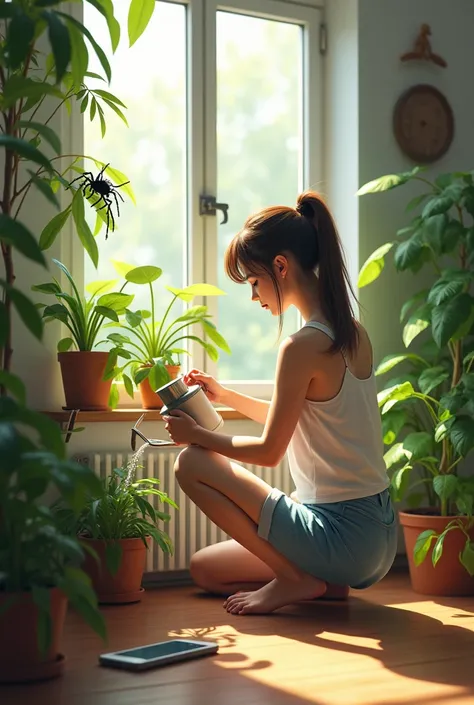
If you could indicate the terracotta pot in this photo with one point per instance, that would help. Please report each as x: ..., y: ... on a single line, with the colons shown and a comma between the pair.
x: 125, y: 585
x: 150, y: 399
x: 20, y: 659
x: 449, y: 577
x: 82, y: 374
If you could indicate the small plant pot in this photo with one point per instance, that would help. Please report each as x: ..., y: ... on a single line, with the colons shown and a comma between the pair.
x: 448, y: 577
x: 84, y: 386
x: 20, y: 658
x: 125, y: 585
x: 150, y: 399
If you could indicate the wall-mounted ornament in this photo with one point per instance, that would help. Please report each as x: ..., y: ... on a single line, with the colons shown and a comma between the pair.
x: 422, y: 50
x: 423, y: 123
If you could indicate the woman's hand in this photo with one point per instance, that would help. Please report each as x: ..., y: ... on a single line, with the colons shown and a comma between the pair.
x: 212, y: 389
x: 181, y: 427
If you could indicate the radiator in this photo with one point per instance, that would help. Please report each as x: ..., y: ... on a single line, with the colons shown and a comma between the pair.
x: 188, y: 528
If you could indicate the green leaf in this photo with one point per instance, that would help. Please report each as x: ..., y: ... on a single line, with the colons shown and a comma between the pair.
x: 43, y: 186
x: 113, y: 556
x: 119, y: 178
x: 416, y: 201
x: 117, y: 301
x: 143, y: 275
x: 416, y: 324
x: 100, y: 287
x: 432, y: 378
x: 109, y: 372
x: 450, y: 285
x: 109, y: 97
x: 106, y: 8
x: 445, y: 486
x: 122, y: 268
x: 13, y: 233
x: 434, y: 230
x: 438, y: 549
x: 79, y: 56
x: 60, y: 43
x: 44, y: 131
x: 399, y: 482
x: 390, y: 361
x: 107, y: 313
x: 442, y: 429
x: 453, y: 233
x: 57, y: 311
x: 461, y: 434
x: 17, y: 87
x: 210, y: 330
x: 4, y: 324
x: 114, y: 396
x: 449, y: 316
x: 133, y: 318
x: 420, y: 296
x: 196, y: 290
x: 392, y: 423
x: 25, y: 150
x: 395, y: 454
x: 20, y: 34
x: 14, y: 385
x: 373, y: 266
x: 26, y: 310
x: 437, y: 205
x: 418, y: 445
x: 410, y: 254
x: 53, y: 228
x: 158, y: 376
x: 83, y: 230
x: 71, y: 21
x: 388, y: 182
x: 141, y: 374
x: 211, y: 351
x: 65, y: 344
x: 389, y: 397
x: 128, y: 384
x: 467, y: 557
x: 422, y: 545
x: 139, y: 15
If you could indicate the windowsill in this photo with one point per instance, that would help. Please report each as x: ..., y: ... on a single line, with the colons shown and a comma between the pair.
x: 128, y: 415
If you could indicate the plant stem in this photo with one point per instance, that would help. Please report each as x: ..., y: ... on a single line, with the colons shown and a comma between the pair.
x: 7, y: 249
x: 164, y: 319
x: 152, y: 316
x: 425, y: 181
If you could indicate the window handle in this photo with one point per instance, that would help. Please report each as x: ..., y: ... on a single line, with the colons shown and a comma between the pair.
x: 208, y: 206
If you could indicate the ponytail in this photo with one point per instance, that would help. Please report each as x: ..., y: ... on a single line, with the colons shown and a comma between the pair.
x: 335, y: 285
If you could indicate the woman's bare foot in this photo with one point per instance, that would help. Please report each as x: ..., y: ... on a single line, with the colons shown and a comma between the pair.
x: 278, y: 593
x: 335, y: 592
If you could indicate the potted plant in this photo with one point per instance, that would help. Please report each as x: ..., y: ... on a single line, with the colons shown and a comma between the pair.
x: 87, y: 373
x: 156, y: 343
x: 118, y: 523
x: 39, y: 570
x: 428, y: 411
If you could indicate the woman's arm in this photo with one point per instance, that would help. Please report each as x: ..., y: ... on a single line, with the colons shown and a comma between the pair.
x: 255, y: 409
x: 295, y: 369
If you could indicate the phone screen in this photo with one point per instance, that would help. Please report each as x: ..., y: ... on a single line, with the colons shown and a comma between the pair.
x: 167, y: 648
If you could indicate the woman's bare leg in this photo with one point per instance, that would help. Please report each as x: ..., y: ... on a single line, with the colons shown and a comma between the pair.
x: 233, y: 499
x: 227, y: 567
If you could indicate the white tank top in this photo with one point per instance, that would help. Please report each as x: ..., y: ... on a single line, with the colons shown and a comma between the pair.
x: 336, y: 451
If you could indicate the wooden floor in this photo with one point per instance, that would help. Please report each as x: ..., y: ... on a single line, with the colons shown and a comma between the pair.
x: 384, y: 646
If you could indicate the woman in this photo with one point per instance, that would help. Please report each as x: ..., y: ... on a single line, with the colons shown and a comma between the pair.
x: 340, y: 530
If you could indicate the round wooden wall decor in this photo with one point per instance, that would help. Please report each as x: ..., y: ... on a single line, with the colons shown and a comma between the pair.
x: 423, y: 123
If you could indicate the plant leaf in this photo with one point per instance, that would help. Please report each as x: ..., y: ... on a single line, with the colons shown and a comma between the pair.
x: 388, y: 182
x: 53, y: 228
x: 418, y: 445
x: 14, y: 233
x: 119, y: 178
x: 445, y: 486
x: 416, y: 324
x: 143, y: 275
x: 467, y: 557
x: 210, y: 330
x: 101, y: 287
x: 461, y: 434
x: 437, y: 205
x: 65, y: 344
x: 25, y: 150
x: 438, y: 549
x: 100, y: 53
x: 139, y: 15
x: 449, y: 285
x: 83, y: 230
x: 416, y: 201
x: 44, y: 187
x: 128, y: 384
x: 26, y: 309
x: 20, y: 34
x: 390, y: 361
x: 158, y: 376
x: 44, y: 131
x: 107, y: 313
x: 410, y: 254
x: 122, y: 268
x: 60, y: 42
x: 422, y: 545
x: 373, y: 266
x: 432, y: 378
x: 42, y: 599
x: 14, y: 384
x: 449, y: 316
x: 117, y: 301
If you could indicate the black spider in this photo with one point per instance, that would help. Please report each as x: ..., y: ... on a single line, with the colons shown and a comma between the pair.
x: 104, y: 189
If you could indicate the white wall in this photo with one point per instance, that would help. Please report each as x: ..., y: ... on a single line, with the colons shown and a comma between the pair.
x: 364, y: 78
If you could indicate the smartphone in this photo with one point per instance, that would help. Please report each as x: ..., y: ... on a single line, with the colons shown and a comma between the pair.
x: 160, y: 654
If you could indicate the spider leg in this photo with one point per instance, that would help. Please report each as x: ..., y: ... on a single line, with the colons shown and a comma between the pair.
x: 87, y: 175
x: 98, y: 201
x: 110, y: 217
x: 119, y: 195
x: 116, y: 203
x: 100, y: 175
x: 124, y: 184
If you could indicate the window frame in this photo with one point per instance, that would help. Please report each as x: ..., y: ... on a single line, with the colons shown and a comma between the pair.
x: 200, y: 260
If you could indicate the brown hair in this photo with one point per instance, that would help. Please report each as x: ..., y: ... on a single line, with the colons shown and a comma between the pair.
x: 307, y: 232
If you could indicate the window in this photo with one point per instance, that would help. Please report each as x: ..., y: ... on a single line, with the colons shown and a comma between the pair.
x: 225, y: 102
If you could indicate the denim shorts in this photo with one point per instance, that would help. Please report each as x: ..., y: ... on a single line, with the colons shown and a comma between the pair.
x: 350, y: 543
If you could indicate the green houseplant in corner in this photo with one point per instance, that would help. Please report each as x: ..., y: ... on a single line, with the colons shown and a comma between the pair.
x: 87, y: 373
x: 119, y: 523
x: 428, y: 411
x: 156, y: 343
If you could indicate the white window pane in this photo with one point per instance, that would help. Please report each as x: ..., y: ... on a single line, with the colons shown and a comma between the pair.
x: 259, y: 128
x: 150, y: 78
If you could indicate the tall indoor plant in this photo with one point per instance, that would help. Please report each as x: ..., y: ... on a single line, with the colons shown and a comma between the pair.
x: 156, y: 343
x: 428, y: 411
x: 43, y: 69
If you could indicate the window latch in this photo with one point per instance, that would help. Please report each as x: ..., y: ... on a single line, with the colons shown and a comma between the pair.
x: 208, y: 206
